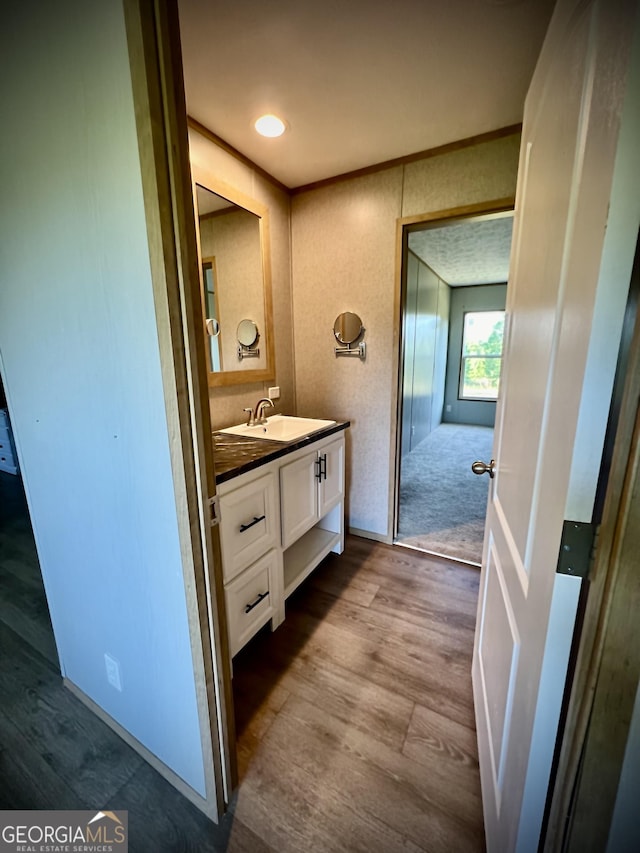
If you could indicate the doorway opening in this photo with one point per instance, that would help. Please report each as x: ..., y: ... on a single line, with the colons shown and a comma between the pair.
x: 454, y: 284
x: 24, y: 610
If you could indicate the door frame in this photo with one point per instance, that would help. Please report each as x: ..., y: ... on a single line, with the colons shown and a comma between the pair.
x: 480, y: 210
x: 161, y: 123
x: 583, y: 797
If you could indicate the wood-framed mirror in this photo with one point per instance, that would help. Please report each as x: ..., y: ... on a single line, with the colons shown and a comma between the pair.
x: 235, y: 279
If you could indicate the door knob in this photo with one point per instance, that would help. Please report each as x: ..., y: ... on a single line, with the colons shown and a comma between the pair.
x: 483, y: 468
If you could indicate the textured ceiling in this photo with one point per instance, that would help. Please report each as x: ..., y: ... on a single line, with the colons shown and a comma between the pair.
x: 475, y: 251
x: 358, y: 81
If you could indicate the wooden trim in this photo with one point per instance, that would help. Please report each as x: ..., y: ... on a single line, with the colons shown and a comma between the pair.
x: 211, y: 598
x: 398, y: 372
x: 200, y: 128
x: 448, y: 148
x: 618, y: 674
x: 223, y: 212
x: 154, y: 50
x: 477, y: 211
x: 602, y: 587
x: 225, y: 378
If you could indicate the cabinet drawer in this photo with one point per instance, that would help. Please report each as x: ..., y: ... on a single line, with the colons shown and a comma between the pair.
x: 249, y: 601
x: 249, y: 524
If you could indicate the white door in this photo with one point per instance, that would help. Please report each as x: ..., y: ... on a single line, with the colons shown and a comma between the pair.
x: 564, y: 313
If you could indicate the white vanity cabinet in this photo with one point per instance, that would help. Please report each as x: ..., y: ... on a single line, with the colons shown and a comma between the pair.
x: 309, y: 487
x: 277, y: 523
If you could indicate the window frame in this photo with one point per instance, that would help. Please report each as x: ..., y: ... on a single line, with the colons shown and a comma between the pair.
x: 464, y: 358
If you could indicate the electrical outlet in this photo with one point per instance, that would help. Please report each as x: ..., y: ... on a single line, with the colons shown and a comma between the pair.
x: 274, y: 393
x: 113, y: 671
x: 448, y: 408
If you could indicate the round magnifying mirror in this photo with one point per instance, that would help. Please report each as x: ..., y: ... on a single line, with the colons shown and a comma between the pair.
x: 213, y: 327
x: 347, y: 327
x: 247, y: 333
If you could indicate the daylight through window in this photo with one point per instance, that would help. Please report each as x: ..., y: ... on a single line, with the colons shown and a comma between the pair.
x: 481, y: 360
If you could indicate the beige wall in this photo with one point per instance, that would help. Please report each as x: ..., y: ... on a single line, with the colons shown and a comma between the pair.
x: 344, y: 258
x: 334, y: 249
x: 227, y: 403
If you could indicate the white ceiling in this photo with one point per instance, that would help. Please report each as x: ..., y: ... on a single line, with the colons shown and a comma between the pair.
x: 475, y: 251
x: 359, y: 82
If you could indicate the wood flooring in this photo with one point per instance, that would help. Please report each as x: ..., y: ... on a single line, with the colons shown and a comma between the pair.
x: 355, y: 718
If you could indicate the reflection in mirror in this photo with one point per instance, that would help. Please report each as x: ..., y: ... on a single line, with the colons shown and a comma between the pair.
x: 347, y: 327
x: 247, y: 333
x: 232, y: 276
x: 212, y: 312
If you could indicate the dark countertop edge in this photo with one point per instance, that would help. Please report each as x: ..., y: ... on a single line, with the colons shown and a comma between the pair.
x: 276, y: 449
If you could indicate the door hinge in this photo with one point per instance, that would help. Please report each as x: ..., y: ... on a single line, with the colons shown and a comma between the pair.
x: 576, y: 548
x: 214, y: 511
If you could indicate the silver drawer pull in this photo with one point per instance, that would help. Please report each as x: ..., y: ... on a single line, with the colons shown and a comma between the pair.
x: 249, y: 607
x: 256, y: 520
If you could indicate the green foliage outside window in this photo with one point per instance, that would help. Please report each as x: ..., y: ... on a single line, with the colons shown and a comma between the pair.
x: 481, y: 355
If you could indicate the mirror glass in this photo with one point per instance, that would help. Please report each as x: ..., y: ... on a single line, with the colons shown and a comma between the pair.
x: 347, y: 327
x: 235, y: 279
x: 247, y: 333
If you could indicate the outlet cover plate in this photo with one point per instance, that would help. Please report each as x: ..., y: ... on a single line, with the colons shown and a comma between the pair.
x: 113, y: 672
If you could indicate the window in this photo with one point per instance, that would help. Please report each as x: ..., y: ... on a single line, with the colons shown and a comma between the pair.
x: 481, y: 355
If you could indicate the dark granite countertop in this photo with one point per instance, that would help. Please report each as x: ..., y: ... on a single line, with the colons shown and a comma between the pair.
x: 236, y: 454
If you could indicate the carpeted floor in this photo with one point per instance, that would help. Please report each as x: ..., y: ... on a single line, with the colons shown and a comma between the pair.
x: 443, y: 503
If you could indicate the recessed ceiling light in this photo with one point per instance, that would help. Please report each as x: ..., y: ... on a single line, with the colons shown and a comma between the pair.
x: 270, y: 125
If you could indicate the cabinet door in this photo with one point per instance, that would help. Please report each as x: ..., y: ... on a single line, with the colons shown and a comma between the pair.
x: 298, y: 497
x: 332, y: 481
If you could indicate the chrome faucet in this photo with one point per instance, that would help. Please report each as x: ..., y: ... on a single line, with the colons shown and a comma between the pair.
x: 259, y: 416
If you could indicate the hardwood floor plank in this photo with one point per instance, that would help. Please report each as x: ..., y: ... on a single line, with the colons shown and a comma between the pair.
x: 341, y: 691
x: 417, y: 674
x: 353, y: 589
x: 402, y: 566
x: 437, y: 741
x: 354, y: 719
x: 27, y: 780
x: 90, y: 758
x: 160, y: 820
x: 23, y: 607
x: 357, y: 774
x: 297, y: 805
x: 256, y: 709
x: 396, y: 628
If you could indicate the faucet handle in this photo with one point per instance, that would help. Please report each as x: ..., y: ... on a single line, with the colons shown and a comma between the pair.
x: 250, y: 411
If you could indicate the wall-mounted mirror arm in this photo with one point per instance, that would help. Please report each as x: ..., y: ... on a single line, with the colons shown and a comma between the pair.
x: 247, y: 352
x: 360, y: 351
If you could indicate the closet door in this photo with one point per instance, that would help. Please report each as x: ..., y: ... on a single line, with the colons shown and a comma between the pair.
x: 409, y: 338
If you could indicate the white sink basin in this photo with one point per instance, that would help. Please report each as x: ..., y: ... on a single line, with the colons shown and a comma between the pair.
x: 279, y: 428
